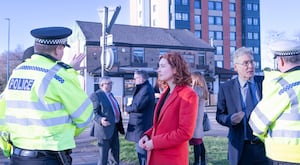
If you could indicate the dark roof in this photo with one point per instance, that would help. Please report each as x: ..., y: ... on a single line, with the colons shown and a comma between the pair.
x: 223, y: 71
x: 128, y: 35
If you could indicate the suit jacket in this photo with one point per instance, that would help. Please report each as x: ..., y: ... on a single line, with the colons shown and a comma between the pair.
x: 229, y: 102
x: 173, y: 127
x: 103, y: 108
x: 140, y: 112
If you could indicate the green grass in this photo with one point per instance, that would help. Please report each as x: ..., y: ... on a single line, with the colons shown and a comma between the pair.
x: 216, y: 151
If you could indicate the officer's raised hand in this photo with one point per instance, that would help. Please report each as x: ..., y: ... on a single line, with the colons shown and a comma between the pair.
x: 76, y: 61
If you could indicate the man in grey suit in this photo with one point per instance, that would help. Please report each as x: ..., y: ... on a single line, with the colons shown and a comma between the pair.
x: 236, y: 100
x: 107, y: 123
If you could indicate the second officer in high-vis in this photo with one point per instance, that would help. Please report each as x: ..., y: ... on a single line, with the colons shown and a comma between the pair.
x: 43, y: 103
x: 276, y: 118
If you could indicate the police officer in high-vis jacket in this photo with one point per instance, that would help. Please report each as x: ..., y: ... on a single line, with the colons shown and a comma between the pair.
x: 276, y: 118
x: 43, y: 106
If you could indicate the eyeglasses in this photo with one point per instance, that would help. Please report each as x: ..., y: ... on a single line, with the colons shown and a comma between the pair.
x: 107, y: 83
x: 247, y: 63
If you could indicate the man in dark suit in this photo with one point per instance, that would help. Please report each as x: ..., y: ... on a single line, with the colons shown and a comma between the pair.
x: 140, y: 112
x: 236, y: 100
x: 107, y: 123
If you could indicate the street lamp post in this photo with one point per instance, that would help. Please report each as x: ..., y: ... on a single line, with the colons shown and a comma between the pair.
x: 8, y: 51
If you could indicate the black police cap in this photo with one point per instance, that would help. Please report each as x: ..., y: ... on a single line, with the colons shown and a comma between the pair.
x: 52, y: 35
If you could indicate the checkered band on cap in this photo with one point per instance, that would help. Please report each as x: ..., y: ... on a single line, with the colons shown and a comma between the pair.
x: 52, y: 41
x: 287, y: 53
x: 285, y: 48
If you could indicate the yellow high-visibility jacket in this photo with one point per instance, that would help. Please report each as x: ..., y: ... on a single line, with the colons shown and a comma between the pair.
x: 4, y: 137
x: 44, y: 105
x: 276, y: 118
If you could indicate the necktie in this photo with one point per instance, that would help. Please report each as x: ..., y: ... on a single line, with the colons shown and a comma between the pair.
x: 114, y: 106
x: 250, y: 102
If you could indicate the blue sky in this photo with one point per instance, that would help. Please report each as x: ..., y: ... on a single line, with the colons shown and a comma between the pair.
x: 276, y: 15
x: 29, y: 14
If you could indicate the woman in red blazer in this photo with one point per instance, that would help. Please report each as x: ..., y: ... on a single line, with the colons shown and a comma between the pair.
x: 175, y: 115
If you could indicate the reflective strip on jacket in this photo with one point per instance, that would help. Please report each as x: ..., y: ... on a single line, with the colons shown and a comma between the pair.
x: 45, y: 105
x: 276, y: 118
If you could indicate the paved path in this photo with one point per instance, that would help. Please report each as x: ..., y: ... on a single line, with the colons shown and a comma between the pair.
x: 217, y: 129
x: 86, y: 152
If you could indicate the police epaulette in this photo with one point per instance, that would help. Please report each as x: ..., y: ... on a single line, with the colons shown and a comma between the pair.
x: 64, y: 65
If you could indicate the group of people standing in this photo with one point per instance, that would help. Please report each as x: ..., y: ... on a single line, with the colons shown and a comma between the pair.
x: 43, y: 108
x: 161, y: 136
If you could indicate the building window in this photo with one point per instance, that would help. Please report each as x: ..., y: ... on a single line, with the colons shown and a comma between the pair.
x: 249, y: 21
x: 232, y: 36
x: 232, y: 21
x: 219, y: 50
x: 219, y: 35
x: 231, y: 6
x: 255, y: 21
x: 129, y: 86
x: 211, y: 34
x: 255, y: 36
x: 211, y: 20
x: 219, y: 21
x: 184, y: 2
x: 256, y: 50
x: 197, y: 19
x: 197, y: 4
x: 114, y: 49
x: 249, y: 6
x: 211, y: 5
x: 218, y: 6
x: 189, y: 58
x: 185, y: 16
x: 163, y: 51
x: 138, y: 55
x: 255, y: 7
x: 250, y: 36
x: 178, y: 2
x: 154, y: 8
x: 215, y: 20
x: 232, y: 49
x: 198, y: 33
x: 219, y: 64
x: 201, y: 59
x: 178, y: 16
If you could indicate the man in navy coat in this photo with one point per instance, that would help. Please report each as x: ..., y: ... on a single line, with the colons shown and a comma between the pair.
x: 140, y: 112
x: 236, y: 100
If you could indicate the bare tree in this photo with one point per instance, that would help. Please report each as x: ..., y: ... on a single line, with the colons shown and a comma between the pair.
x: 14, y: 60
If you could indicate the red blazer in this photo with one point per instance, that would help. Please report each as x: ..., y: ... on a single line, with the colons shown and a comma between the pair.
x: 173, y: 128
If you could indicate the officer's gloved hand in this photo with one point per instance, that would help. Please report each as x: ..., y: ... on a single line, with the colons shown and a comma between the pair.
x: 236, y: 118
